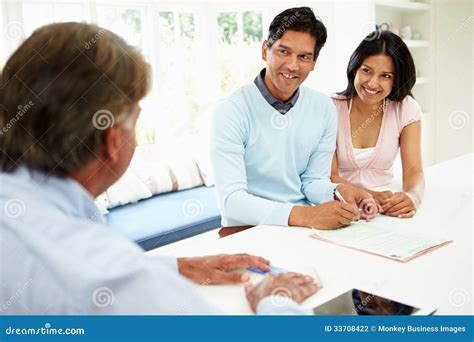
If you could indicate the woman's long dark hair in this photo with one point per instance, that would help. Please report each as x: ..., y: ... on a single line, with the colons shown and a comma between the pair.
x: 388, y: 43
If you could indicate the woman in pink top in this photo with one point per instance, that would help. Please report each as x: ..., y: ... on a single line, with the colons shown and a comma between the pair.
x: 377, y: 116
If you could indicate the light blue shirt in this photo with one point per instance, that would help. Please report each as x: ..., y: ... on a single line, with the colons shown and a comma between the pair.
x: 264, y: 162
x: 58, y: 257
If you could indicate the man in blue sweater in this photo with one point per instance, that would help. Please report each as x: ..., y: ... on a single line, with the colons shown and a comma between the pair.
x: 272, y: 141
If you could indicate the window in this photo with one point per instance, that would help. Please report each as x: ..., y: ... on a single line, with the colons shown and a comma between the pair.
x: 240, y: 37
x: 176, y: 102
x: 36, y: 14
x: 198, y: 53
x: 124, y: 21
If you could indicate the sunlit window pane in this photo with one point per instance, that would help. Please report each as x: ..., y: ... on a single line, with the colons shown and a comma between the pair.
x: 36, y: 15
x: 186, y: 24
x: 125, y: 22
x: 166, y: 28
x: 228, y: 28
x: 68, y: 12
x: 252, y: 26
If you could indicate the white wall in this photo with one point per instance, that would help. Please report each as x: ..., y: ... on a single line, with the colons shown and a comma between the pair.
x: 347, y: 23
x: 454, y: 93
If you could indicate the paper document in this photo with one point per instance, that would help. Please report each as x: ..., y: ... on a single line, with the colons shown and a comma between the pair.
x: 380, y: 241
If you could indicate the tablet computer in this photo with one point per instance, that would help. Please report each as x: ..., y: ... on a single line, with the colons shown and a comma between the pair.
x: 356, y: 302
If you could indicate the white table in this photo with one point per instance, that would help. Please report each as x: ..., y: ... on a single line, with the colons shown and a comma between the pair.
x: 442, y: 279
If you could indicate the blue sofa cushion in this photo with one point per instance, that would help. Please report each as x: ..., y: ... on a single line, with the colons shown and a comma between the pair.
x: 167, y: 218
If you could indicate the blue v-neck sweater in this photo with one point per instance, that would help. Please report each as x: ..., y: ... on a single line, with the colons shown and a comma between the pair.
x: 265, y: 162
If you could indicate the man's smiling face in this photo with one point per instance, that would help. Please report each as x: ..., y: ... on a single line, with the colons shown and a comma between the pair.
x: 289, y: 61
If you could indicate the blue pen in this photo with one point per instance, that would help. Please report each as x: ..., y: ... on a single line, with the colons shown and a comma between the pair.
x: 273, y: 270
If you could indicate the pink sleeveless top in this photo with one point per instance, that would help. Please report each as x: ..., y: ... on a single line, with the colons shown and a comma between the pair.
x: 379, y: 170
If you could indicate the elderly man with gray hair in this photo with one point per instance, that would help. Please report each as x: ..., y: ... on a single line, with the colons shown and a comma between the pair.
x: 68, y: 107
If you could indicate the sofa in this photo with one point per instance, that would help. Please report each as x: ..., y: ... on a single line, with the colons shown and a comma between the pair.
x: 166, y: 218
x: 161, y: 199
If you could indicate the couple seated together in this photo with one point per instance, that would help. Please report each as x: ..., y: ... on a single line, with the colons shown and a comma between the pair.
x: 284, y: 154
x: 280, y: 151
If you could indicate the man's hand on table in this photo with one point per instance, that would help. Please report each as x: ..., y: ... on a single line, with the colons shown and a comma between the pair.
x: 215, y: 269
x: 329, y: 215
x: 294, y: 286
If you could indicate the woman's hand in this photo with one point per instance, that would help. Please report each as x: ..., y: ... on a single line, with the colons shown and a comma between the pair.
x: 381, y: 196
x: 401, y: 205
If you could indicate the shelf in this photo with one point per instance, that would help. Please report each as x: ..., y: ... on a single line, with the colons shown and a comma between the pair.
x: 416, y: 43
x: 407, y: 6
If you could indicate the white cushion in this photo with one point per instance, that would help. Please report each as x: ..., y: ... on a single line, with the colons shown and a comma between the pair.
x: 152, y: 171
x: 128, y: 189
x: 205, y: 168
x: 186, y: 173
x: 163, y: 172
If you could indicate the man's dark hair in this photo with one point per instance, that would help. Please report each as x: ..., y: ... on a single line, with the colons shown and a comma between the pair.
x: 300, y: 19
x: 387, y: 43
